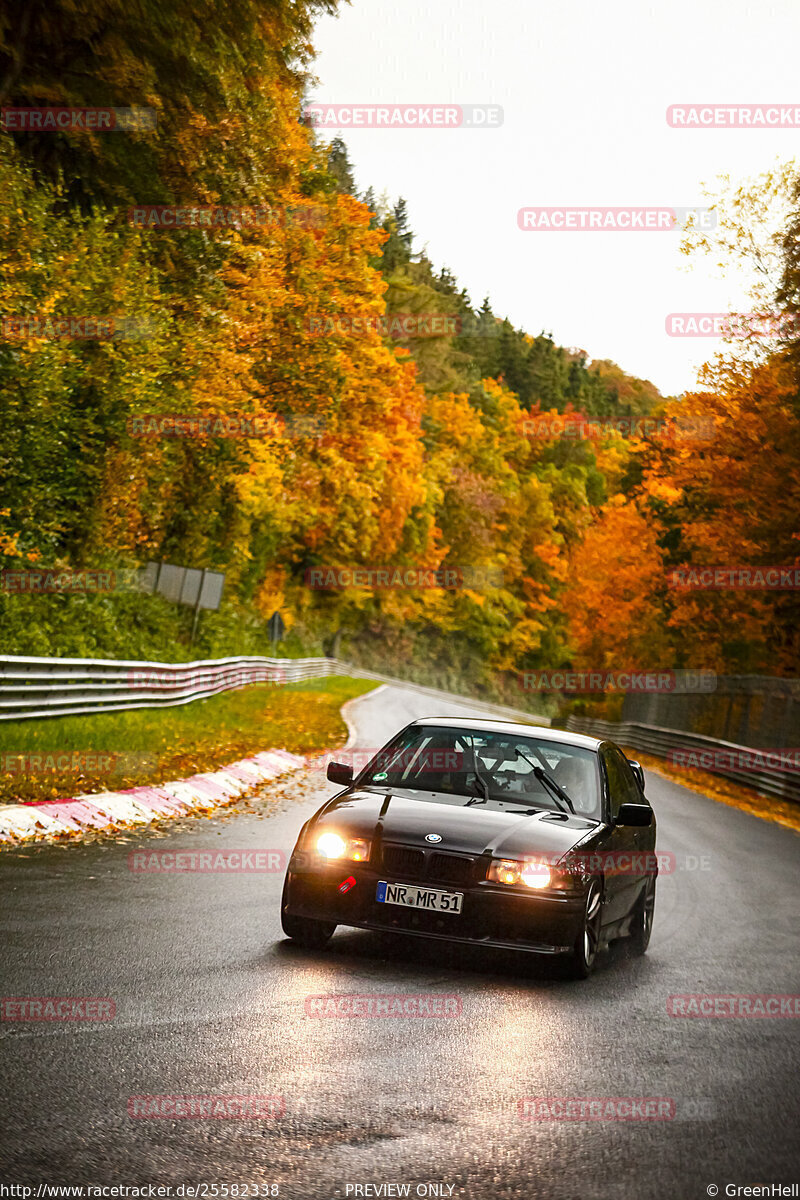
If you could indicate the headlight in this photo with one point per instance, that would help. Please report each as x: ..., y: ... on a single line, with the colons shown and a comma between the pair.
x: 533, y: 873
x: 536, y: 875
x: 503, y: 870
x: 330, y: 845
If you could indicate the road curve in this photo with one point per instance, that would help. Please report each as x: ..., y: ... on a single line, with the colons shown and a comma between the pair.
x: 210, y: 1001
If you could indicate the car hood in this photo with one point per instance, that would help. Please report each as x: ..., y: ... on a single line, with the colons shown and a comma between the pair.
x: 395, y: 817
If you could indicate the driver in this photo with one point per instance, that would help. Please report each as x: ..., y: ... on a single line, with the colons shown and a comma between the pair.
x: 577, y: 777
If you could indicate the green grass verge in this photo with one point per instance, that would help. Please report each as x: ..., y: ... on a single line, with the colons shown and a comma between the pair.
x: 149, y: 745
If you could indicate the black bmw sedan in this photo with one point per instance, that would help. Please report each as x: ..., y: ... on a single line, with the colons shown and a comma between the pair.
x: 484, y: 832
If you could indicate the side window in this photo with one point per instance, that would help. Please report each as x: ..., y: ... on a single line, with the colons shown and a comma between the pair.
x: 622, y: 786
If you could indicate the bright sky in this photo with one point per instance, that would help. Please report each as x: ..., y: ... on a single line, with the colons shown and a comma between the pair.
x: 584, y: 87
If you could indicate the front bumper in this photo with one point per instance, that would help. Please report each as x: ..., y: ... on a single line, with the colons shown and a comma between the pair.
x: 492, y: 915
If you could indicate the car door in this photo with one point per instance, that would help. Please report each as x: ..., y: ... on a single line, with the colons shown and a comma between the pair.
x: 623, y: 878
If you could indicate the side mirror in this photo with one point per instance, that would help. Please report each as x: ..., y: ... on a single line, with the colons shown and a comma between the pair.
x: 634, y: 814
x: 638, y: 772
x: 340, y: 773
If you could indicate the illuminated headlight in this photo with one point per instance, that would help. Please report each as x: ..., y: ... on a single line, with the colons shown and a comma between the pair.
x: 503, y: 870
x: 536, y: 875
x: 330, y: 845
x: 532, y: 873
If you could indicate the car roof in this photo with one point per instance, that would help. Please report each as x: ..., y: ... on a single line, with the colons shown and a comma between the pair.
x: 540, y: 732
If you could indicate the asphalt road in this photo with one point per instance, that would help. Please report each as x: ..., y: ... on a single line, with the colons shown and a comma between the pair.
x: 210, y: 1000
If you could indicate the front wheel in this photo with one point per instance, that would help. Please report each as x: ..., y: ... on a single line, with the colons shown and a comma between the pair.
x: 307, y: 932
x: 642, y: 925
x: 581, y: 962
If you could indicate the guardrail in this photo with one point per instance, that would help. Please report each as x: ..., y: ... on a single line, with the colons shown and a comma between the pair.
x: 653, y: 739
x: 58, y: 687
x: 748, y: 710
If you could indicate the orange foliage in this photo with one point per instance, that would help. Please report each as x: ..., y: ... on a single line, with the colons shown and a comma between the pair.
x: 615, y: 591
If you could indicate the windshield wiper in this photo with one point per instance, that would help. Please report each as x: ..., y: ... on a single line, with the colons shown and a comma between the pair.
x: 555, y: 788
x: 479, y: 777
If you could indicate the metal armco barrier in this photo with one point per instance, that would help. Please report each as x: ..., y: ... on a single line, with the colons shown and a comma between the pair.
x: 652, y: 739
x: 57, y: 687
x: 748, y: 710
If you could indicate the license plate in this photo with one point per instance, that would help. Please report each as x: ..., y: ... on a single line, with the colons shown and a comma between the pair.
x: 417, y: 897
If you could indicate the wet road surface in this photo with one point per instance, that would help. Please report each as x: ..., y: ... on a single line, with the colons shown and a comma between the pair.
x: 210, y: 1000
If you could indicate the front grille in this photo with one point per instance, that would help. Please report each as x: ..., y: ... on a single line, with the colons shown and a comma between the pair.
x: 409, y: 863
x: 405, y: 861
x: 450, y: 868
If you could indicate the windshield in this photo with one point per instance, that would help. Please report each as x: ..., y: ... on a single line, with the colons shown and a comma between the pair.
x: 498, y: 769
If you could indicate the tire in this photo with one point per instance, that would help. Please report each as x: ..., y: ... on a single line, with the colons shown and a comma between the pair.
x: 307, y: 932
x: 581, y: 962
x: 642, y: 925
